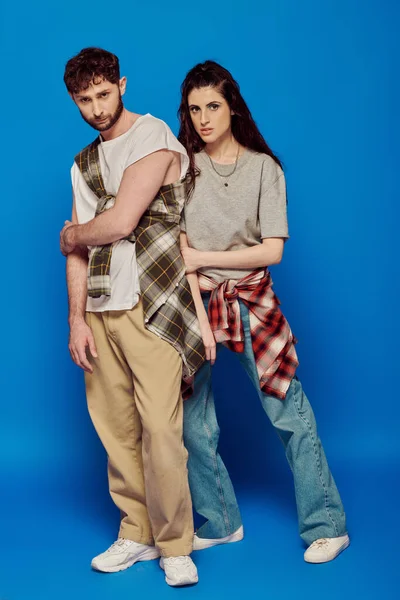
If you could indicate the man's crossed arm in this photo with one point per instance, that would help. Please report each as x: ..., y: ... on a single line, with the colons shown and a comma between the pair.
x: 139, y: 186
x: 140, y: 183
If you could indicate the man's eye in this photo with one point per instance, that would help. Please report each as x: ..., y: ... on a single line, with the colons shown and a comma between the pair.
x: 85, y: 100
x: 104, y: 94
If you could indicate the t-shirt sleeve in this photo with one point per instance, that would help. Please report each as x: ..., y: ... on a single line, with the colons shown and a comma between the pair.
x: 272, y: 210
x: 153, y: 135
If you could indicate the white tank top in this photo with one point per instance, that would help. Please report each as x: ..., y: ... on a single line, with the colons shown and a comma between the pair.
x: 147, y: 135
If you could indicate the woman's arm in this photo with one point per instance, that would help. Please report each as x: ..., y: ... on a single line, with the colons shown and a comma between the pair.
x: 206, y: 332
x: 263, y: 255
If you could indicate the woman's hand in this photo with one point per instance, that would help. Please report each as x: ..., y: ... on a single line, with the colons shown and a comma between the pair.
x: 192, y: 258
x: 208, y: 341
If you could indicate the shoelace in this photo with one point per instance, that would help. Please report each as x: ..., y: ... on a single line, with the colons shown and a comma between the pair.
x: 320, y: 543
x: 178, y: 560
x: 120, y: 543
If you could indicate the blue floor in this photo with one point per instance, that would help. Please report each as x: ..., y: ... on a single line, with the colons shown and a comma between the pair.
x: 49, y: 534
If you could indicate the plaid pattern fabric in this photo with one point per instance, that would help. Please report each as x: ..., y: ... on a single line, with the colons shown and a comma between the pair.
x: 98, y: 279
x: 271, y: 337
x: 168, y: 305
x: 167, y: 300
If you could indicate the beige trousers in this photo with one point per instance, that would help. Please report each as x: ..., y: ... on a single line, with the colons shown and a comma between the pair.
x: 135, y: 404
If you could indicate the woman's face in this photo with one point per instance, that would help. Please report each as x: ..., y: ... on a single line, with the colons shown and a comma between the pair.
x: 210, y: 113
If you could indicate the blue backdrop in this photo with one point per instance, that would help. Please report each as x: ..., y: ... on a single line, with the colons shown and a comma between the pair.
x: 321, y: 81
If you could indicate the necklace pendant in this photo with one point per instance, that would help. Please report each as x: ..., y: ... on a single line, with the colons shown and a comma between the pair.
x: 225, y: 184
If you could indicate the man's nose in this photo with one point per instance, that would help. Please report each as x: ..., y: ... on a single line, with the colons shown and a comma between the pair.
x: 97, y: 110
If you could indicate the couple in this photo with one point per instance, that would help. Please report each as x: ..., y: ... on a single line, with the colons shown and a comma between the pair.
x: 167, y: 258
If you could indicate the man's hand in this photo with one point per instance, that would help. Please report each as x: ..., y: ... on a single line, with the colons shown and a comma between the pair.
x: 193, y: 259
x: 67, y: 242
x: 80, y: 338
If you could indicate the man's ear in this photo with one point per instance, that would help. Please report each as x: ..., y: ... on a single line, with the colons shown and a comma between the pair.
x: 122, y: 85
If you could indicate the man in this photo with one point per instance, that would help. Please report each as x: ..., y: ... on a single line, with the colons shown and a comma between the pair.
x: 133, y: 328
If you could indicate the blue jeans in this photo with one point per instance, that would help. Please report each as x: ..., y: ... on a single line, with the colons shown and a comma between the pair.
x: 319, y: 507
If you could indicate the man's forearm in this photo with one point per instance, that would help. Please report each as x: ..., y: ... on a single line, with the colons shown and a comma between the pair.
x: 77, y: 263
x: 108, y: 227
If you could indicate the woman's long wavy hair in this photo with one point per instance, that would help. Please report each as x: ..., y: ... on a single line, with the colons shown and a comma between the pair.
x: 244, y: 129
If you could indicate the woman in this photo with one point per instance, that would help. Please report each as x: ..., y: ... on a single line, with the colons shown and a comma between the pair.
x: 234, y: 227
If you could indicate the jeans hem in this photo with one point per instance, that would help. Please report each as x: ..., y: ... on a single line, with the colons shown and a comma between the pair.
x: 318, y: 464
x: 218, y: 478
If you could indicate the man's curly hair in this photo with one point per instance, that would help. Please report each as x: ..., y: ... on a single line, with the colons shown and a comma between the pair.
x: 90, y: 65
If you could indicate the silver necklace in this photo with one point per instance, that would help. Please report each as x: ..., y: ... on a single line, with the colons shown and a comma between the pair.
x: 229, y: 174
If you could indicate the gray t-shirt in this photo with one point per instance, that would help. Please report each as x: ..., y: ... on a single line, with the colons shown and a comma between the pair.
x: 250, y: 208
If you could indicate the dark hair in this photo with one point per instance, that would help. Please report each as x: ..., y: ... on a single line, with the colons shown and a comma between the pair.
x: 244, y: 129
x: 91, y: 64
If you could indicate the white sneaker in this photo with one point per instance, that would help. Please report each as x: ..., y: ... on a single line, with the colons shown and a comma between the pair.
x: 179, y: 570
x: 122, y: 554
x: 326, y: 549
x: 202, y: 543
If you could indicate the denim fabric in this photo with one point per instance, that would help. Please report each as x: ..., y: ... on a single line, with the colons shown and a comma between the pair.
x: 319, y: 507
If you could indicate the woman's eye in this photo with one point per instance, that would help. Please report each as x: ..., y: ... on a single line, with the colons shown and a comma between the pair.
x: 214, y: 106
x: 194, y: 109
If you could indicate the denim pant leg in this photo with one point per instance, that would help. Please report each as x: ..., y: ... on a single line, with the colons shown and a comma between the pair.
x: 210, y: 485
x: 319, y: 507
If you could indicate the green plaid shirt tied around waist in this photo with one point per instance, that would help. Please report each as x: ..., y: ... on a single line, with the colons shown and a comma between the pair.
x: 168, y: 305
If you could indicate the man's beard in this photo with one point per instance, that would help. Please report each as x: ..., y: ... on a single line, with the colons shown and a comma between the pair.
x: 110, y: 122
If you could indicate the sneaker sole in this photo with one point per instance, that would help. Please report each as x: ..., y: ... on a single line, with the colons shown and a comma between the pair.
x: 147, y: 555
x: 181, y: 583
x: 204, y: 543
x: 317, y: 561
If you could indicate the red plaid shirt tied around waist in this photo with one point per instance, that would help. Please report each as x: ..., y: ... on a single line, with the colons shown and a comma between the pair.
x: 271, y: 337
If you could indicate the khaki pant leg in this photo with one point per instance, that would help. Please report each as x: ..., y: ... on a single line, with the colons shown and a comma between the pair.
x: 157, y: 371
x: 111, y: 404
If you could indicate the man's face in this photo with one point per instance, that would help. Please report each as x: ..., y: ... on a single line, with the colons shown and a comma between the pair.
x: 101, y: 103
